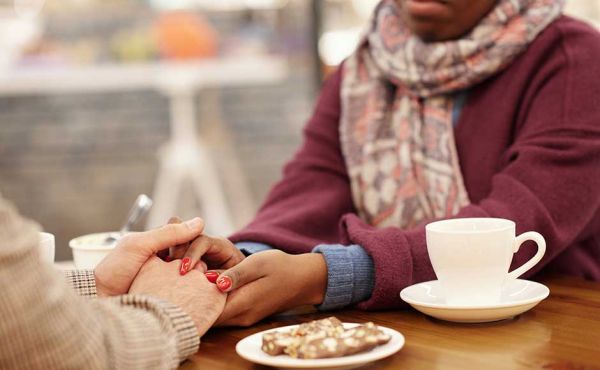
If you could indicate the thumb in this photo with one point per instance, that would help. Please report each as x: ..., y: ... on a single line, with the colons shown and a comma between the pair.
x: 164, y: 237
x: 241, y: 274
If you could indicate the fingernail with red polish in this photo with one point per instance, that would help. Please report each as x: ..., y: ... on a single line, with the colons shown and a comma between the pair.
x: 185, y: 265
x: 211, y: 276
x: 224, y: 283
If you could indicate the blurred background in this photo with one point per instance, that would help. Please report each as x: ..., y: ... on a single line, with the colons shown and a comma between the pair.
x: 197, y: 103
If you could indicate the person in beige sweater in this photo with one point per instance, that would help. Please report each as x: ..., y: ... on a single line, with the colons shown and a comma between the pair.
x: 134, y: 311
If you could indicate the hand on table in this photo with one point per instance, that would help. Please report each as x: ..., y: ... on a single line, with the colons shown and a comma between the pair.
x: 116, y: 272
x: 269, y: 282
x: 193, y: 293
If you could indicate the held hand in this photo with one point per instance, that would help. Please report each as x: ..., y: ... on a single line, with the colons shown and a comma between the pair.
x: 208, y: 252
x: 269, y: 282
x: 116, y: 272
x: 193, y: 293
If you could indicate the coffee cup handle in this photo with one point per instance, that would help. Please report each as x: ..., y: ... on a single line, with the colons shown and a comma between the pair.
x: 541, y: 244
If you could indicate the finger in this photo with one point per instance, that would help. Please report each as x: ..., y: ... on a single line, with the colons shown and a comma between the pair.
x: 165, y: 236
x: 213, y: 275
x: 224, y: 257
x: 248, y: 270
x: 201, y: 266
x: 194, y: 253
x: 217, y: 252
x: 177, y: 251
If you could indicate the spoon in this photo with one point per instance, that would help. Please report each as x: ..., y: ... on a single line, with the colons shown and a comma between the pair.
x: 142, y: 205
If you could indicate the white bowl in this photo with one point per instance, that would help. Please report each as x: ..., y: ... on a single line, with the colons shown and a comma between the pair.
x: 89, y: 250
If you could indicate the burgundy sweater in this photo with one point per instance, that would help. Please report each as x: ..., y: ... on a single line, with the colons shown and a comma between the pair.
x: 528, y: 141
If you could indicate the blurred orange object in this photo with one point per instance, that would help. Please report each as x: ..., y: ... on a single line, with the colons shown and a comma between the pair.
x: 182, y: 35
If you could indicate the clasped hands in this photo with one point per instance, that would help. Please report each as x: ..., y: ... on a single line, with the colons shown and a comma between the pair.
x: 208, y: 277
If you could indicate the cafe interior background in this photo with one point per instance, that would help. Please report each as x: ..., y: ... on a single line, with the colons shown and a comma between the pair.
x: 197, y: 103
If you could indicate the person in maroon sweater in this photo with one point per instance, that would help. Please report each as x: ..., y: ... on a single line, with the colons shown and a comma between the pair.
x: 523, y: 119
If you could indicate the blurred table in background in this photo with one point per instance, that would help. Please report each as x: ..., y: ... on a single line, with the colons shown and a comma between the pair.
x: 562, y: 332
x: 184, y: 157
x: 242, y: 71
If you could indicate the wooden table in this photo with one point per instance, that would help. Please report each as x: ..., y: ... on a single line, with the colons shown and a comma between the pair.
x: 562, y: 332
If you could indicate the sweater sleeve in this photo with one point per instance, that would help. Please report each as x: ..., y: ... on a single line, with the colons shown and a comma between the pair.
x: 83, y: 282
x: 350, y: 275
x: 46, y: 325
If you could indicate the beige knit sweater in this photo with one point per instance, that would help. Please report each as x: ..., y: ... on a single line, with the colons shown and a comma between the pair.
x: 45, y: 324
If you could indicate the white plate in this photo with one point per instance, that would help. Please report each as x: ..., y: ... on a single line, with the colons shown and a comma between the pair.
x: 249, y: 348
x: 517, y: 297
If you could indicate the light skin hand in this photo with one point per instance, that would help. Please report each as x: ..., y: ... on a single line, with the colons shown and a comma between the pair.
x: 193, y: 293
x: 270, y: 282
x: 116, y: 272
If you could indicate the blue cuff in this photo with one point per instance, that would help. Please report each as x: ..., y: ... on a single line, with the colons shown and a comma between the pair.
x: 350, y: 275
x: 249, y: 248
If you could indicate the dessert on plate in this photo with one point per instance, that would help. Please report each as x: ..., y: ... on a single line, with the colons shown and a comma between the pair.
x: 324, y: 338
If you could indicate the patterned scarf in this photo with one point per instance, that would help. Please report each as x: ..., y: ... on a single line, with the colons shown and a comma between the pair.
x: 396, y: 124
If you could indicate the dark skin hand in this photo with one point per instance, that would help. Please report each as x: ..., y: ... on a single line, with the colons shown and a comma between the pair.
x: 442, y: 20
x: 271, y: 282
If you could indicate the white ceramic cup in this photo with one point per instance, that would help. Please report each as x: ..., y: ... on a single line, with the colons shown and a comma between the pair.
x: 471, y: 257
x: 47, y: 247
x: 88, y: 250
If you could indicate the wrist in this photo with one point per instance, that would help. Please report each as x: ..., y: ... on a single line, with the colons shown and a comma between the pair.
x: 103, y: 290
x: 201, y: 323
x: 315, y: 277
x: 100, y: 289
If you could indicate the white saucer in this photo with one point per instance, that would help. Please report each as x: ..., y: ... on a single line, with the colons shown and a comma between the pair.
x: 517, y: 297
x: 249, y: 348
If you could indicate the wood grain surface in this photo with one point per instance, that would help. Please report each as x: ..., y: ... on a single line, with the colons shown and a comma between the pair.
x: 562, y: 332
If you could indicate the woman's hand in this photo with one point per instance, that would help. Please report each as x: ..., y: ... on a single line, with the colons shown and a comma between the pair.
x: 208, y: 252
x: 193, y: 293
x: 116, y: 272
x: 269, y: 282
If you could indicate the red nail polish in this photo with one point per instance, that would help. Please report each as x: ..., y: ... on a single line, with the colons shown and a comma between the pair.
x: 211, y: 276
x: 185, y: 265
x: 224, y: 283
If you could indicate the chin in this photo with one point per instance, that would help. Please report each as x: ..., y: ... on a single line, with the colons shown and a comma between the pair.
x: 427, y: 34
x: 426, y: 29
x: 434, y: 33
